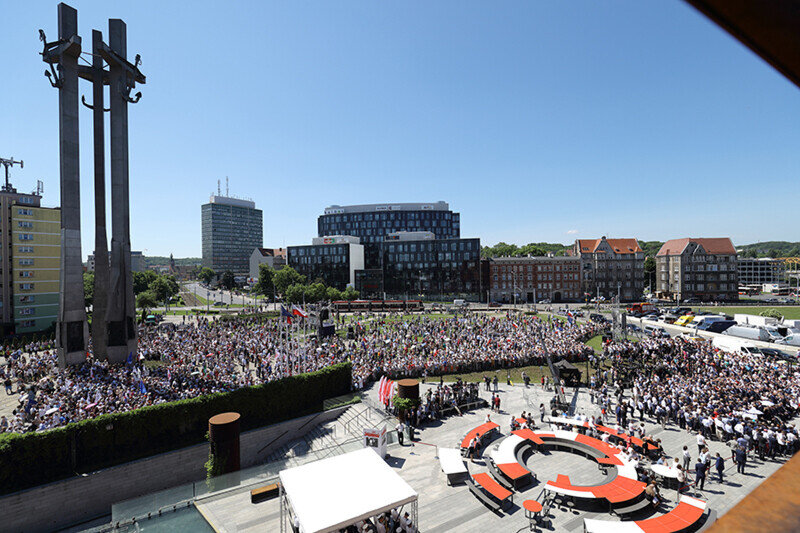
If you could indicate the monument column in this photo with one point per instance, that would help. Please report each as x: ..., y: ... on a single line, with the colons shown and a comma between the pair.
x: 72, y: 329
x: 100, y: 300
x: 121, y: 305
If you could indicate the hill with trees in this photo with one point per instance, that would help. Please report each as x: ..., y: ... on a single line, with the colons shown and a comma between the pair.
x: 770, y: 249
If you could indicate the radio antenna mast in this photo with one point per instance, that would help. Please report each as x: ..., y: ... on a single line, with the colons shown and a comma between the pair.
x: 8, y: 163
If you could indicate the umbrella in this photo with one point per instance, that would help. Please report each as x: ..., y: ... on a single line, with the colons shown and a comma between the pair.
x: 767, y: 403
x: 754, y: 411
x: 91, y: 405
x: 51, y: 411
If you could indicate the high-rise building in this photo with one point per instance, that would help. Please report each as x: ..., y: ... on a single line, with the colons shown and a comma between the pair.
x: 705, y: 269
x: 30, y: 250
x: 371, y: 223
x: 232, y: 228
x: 611, y: 268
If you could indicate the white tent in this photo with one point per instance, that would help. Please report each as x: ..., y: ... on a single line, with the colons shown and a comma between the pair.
x: 333, y: 493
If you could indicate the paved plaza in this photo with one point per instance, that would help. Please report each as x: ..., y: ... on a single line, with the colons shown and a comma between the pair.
x: 453, y: 508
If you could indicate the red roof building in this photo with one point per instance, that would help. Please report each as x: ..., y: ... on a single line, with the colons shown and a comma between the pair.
x: 611, y: 268
x: 699, y: 268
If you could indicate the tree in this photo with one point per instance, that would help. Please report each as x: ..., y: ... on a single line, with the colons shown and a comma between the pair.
x: 227, y: 281
x: 206, y: 275
x: 350, y: 293
x: 163, y: 288
x: 295, y: 293
x: 146, y: 301
x: 649, y: 272
x: 142, y: 280
x: 88, y: 288
x: 285, y: 277
x: 265, y: 285
x: 316, y: 292
x: 333, y: 293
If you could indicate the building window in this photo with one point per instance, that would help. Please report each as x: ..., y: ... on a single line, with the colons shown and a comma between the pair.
x: 27, y: 311
x: 25, y: 237
x: 29, y: 299
x: 26, y: 286
x: 26, y: 273
x: 27, y: 323
x: 25, y: 224
x: 27, y: 261
x: 23, y: 211
x: 26, y: 249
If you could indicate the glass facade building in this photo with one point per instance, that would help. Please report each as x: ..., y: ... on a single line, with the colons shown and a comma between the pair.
x: 371, y: 223
x: 430, y: 268
x: 232, y: 229
x: 332, y: 259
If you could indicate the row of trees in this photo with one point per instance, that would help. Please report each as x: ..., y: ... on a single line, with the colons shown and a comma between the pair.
x: 536, y: 249
x: 149, y: 288
x: 294, y: 287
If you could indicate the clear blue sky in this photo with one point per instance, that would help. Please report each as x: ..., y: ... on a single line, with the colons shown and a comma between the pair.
x: 537, y: 121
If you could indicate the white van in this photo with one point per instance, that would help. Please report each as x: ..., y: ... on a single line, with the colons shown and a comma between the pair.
x: 756, y: 333
x: 459, y: 302
x: 792, y: 339
x: 732, y: 344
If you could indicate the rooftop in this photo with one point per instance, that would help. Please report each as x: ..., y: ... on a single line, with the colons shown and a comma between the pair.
x: 369, y: 208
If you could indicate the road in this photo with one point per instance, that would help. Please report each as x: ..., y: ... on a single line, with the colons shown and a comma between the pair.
x: 226, y: 297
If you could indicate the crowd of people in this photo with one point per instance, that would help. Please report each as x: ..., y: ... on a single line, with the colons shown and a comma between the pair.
x: 745, y: 400
x: 201, y: 357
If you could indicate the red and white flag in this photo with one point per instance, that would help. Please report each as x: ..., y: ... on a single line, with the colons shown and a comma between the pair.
x: 381, y: 383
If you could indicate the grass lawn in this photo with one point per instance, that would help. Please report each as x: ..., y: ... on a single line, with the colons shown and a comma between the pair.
x: 596, y: 343
x: 789, y: 312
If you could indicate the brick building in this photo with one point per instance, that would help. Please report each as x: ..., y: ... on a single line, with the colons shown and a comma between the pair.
x: 541, y: 278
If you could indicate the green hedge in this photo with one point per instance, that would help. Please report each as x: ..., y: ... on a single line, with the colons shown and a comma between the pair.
x: 31, y: 459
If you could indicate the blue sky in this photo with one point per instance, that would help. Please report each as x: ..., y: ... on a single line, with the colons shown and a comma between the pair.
x: 537, y: 121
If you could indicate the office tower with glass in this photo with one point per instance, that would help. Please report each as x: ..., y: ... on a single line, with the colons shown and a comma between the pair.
x: 231, y: 229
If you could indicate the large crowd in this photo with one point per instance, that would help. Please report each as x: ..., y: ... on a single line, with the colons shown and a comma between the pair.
x: 747, y: 400
x: 202, y: 357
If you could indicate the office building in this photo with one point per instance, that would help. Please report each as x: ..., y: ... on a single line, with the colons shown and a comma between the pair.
x: 418, y: 265
x: 231, y: 229
x: 274, y: 257
x: 611, y: 268
x: 754, y: 272
x: 529, y: 279
x: 371, y: 223
x: 333, y: 259
x: 137, y: 262
x: 30, y: 250
x: 705, y: 269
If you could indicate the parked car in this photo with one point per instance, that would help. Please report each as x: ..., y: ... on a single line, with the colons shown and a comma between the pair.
x: 717, y: 327
x: 778, y: 354
x: 595, y: 317
x: 692, y: 301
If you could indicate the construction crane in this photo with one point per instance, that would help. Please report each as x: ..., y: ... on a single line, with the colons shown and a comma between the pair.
x: 8, y: 163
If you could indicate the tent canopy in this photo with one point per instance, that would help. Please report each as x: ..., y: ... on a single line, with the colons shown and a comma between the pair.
x: 333, y: 493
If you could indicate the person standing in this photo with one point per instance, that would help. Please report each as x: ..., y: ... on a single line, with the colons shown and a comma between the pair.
x: 541, y: 412
x: 494, y: 382
x: 701, y: 442
x: 700, y: 474
x: 720, y: 465
x: 400, y: 428
x: 741, y: 460
x: 687, y: 458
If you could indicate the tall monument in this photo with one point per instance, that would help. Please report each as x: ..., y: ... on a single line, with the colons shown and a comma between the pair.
x: 72, y: 330
x: 113, y: 323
